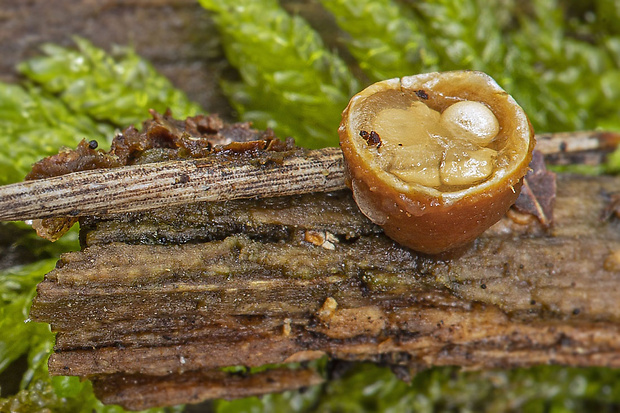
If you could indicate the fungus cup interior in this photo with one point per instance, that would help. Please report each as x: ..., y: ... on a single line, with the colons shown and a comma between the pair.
x: 407, y: 155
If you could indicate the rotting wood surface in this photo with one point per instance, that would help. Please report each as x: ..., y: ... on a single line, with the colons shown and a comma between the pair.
x: 161, y: 298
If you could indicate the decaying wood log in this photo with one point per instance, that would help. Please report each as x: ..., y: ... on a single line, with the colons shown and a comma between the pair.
x: 160, y: 298
x: 158, y: 302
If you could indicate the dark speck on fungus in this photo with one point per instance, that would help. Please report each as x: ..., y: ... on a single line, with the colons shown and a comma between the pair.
x: 421, y: 94
x: 372, y: 138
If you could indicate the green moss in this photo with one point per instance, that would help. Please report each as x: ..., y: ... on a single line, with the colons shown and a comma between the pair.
x: 35, y: 124
x: 561, y: 61
x: 63, y: 395
x: 369, y: 388
x: 117, y: 88
x: 383, y: 37
x: 291, y: 82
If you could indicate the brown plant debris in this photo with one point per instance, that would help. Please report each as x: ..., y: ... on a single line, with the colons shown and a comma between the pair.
x: 613, y: 207
x: 537, y: 195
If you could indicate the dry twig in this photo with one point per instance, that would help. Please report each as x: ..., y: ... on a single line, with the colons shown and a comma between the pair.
x: 156, y: 185
x: 151, y: 186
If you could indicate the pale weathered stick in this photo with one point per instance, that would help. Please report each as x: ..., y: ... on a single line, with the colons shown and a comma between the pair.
x: 567, y: 142
x: 157, y: 185
x: 149, y: 186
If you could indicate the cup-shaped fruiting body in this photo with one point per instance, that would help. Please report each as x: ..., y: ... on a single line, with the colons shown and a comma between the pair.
x: 435, y: 159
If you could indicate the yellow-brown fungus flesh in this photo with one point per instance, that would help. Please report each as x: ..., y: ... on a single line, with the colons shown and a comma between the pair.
x: 447, y: 157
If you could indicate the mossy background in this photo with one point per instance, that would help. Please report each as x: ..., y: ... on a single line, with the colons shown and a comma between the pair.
x: 559, y: 58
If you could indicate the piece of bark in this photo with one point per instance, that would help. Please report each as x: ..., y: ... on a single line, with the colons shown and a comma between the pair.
x: 613, y: 207
x: 141, y: 392
x: 132, y: 304
x: 537, y: 196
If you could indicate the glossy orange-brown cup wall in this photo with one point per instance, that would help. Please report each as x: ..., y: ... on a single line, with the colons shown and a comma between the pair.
x: 435, y: 220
